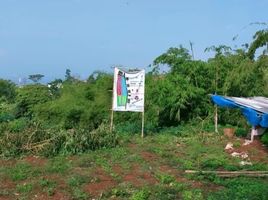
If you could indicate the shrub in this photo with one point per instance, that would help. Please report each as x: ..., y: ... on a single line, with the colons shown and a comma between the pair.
x: 36, y: 139
x: 81, y: 140
x: 17, y: 125
x: 30, y: 96
x: 6, y: 117
x: 72, y: 118
x: 264, y: 139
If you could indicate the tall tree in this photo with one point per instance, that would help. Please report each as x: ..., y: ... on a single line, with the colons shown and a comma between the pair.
x: 68, y: 76
x: 36, y: 77
x: 260, y: 40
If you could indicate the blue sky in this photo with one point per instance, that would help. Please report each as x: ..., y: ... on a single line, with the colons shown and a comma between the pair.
x: 49, y: 36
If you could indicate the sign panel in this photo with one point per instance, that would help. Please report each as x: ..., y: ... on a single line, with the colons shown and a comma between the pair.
x: 128, y: 90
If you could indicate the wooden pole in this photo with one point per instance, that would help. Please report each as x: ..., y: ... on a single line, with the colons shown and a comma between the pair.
x: 216, y: 107
x: 112, y: 121
x: 112, y: 110
x: 142, y: 125
x: 231, y: 173
x: 216, y: 119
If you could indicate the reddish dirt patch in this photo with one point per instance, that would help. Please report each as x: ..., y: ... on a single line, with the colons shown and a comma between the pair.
x: 118, y: 169
x: 138, y: 178
x: 57, y: 196
x: 4, y: 198
x: 59, y: 179
x: 148, y: 156
x: 256, y: 150
x: 7, y: 186
x: 132, y: 146
x: 35, y: 160
x: 174, y: 172
x: 133, y: 179
x: 103, y: 183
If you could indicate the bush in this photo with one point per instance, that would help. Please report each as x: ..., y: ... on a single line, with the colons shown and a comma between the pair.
x: 264, y: 139
x: 6, y: 117
x: 30, y: 96
x: 241, y: 132
x: 7, y: 90
x: 81, y: 140
x: 17, y: 125
x: 73, y: 118
x: 36, y: 139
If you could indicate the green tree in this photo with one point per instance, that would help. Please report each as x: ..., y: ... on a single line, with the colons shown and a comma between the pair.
x: 7, y: 90
x: 36, y: 77
x: 28, y: 97
x: 68, y: 76
x: 260, y: 40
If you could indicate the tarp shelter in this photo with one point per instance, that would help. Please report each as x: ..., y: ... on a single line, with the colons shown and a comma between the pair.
x: 255, y: 110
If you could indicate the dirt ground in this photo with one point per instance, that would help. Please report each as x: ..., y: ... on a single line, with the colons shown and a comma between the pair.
x: 136, y: 167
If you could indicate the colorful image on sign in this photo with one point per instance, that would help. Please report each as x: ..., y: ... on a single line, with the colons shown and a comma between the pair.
x: 122, y: 94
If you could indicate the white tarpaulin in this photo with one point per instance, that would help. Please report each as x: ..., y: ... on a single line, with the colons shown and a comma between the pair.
x: 128, y: 90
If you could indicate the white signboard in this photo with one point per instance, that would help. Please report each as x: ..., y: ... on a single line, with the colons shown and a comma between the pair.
x: 128, y: 90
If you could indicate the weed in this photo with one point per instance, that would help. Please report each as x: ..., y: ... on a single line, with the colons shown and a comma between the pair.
x: 192, y: 194
x: 20, y: 171
x: 77, y: 180
x: 58, y: 165
x: 120, y: 192
x: 78, y: 194
x: 240, y: 189
x: 49, y: 186
x: 46, y: 183
x: 141, y: 195
x: 165, y: 192
x: 50, y: 191
x: 24, y: 188
x: 213, y: 162
x: 165, y: 178
x: 236, y: 144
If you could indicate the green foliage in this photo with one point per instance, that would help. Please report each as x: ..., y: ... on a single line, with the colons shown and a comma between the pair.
x: 240, y: 132
x: 7, y: 91
x: 28, y: 97
x: 55, y: 87
x: 264, y: 139
x: 82, y: 140
x: 48, y: 186
x: 241, y: 189
x: 192, y: 194
x: 76, y: 180
x: 36, y: 77
x: 18, y: 125
x: 165, y: 178
x: 58, y: 165
x: 78, y: 194
x: 141, y: 195
x: 20, y: 171
x: 6, y: 117
x: 260, y: 40
x: 48, y: 142
x: 24, y: 188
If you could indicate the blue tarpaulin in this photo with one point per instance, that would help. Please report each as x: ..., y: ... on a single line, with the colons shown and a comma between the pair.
x: 254, y: 109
